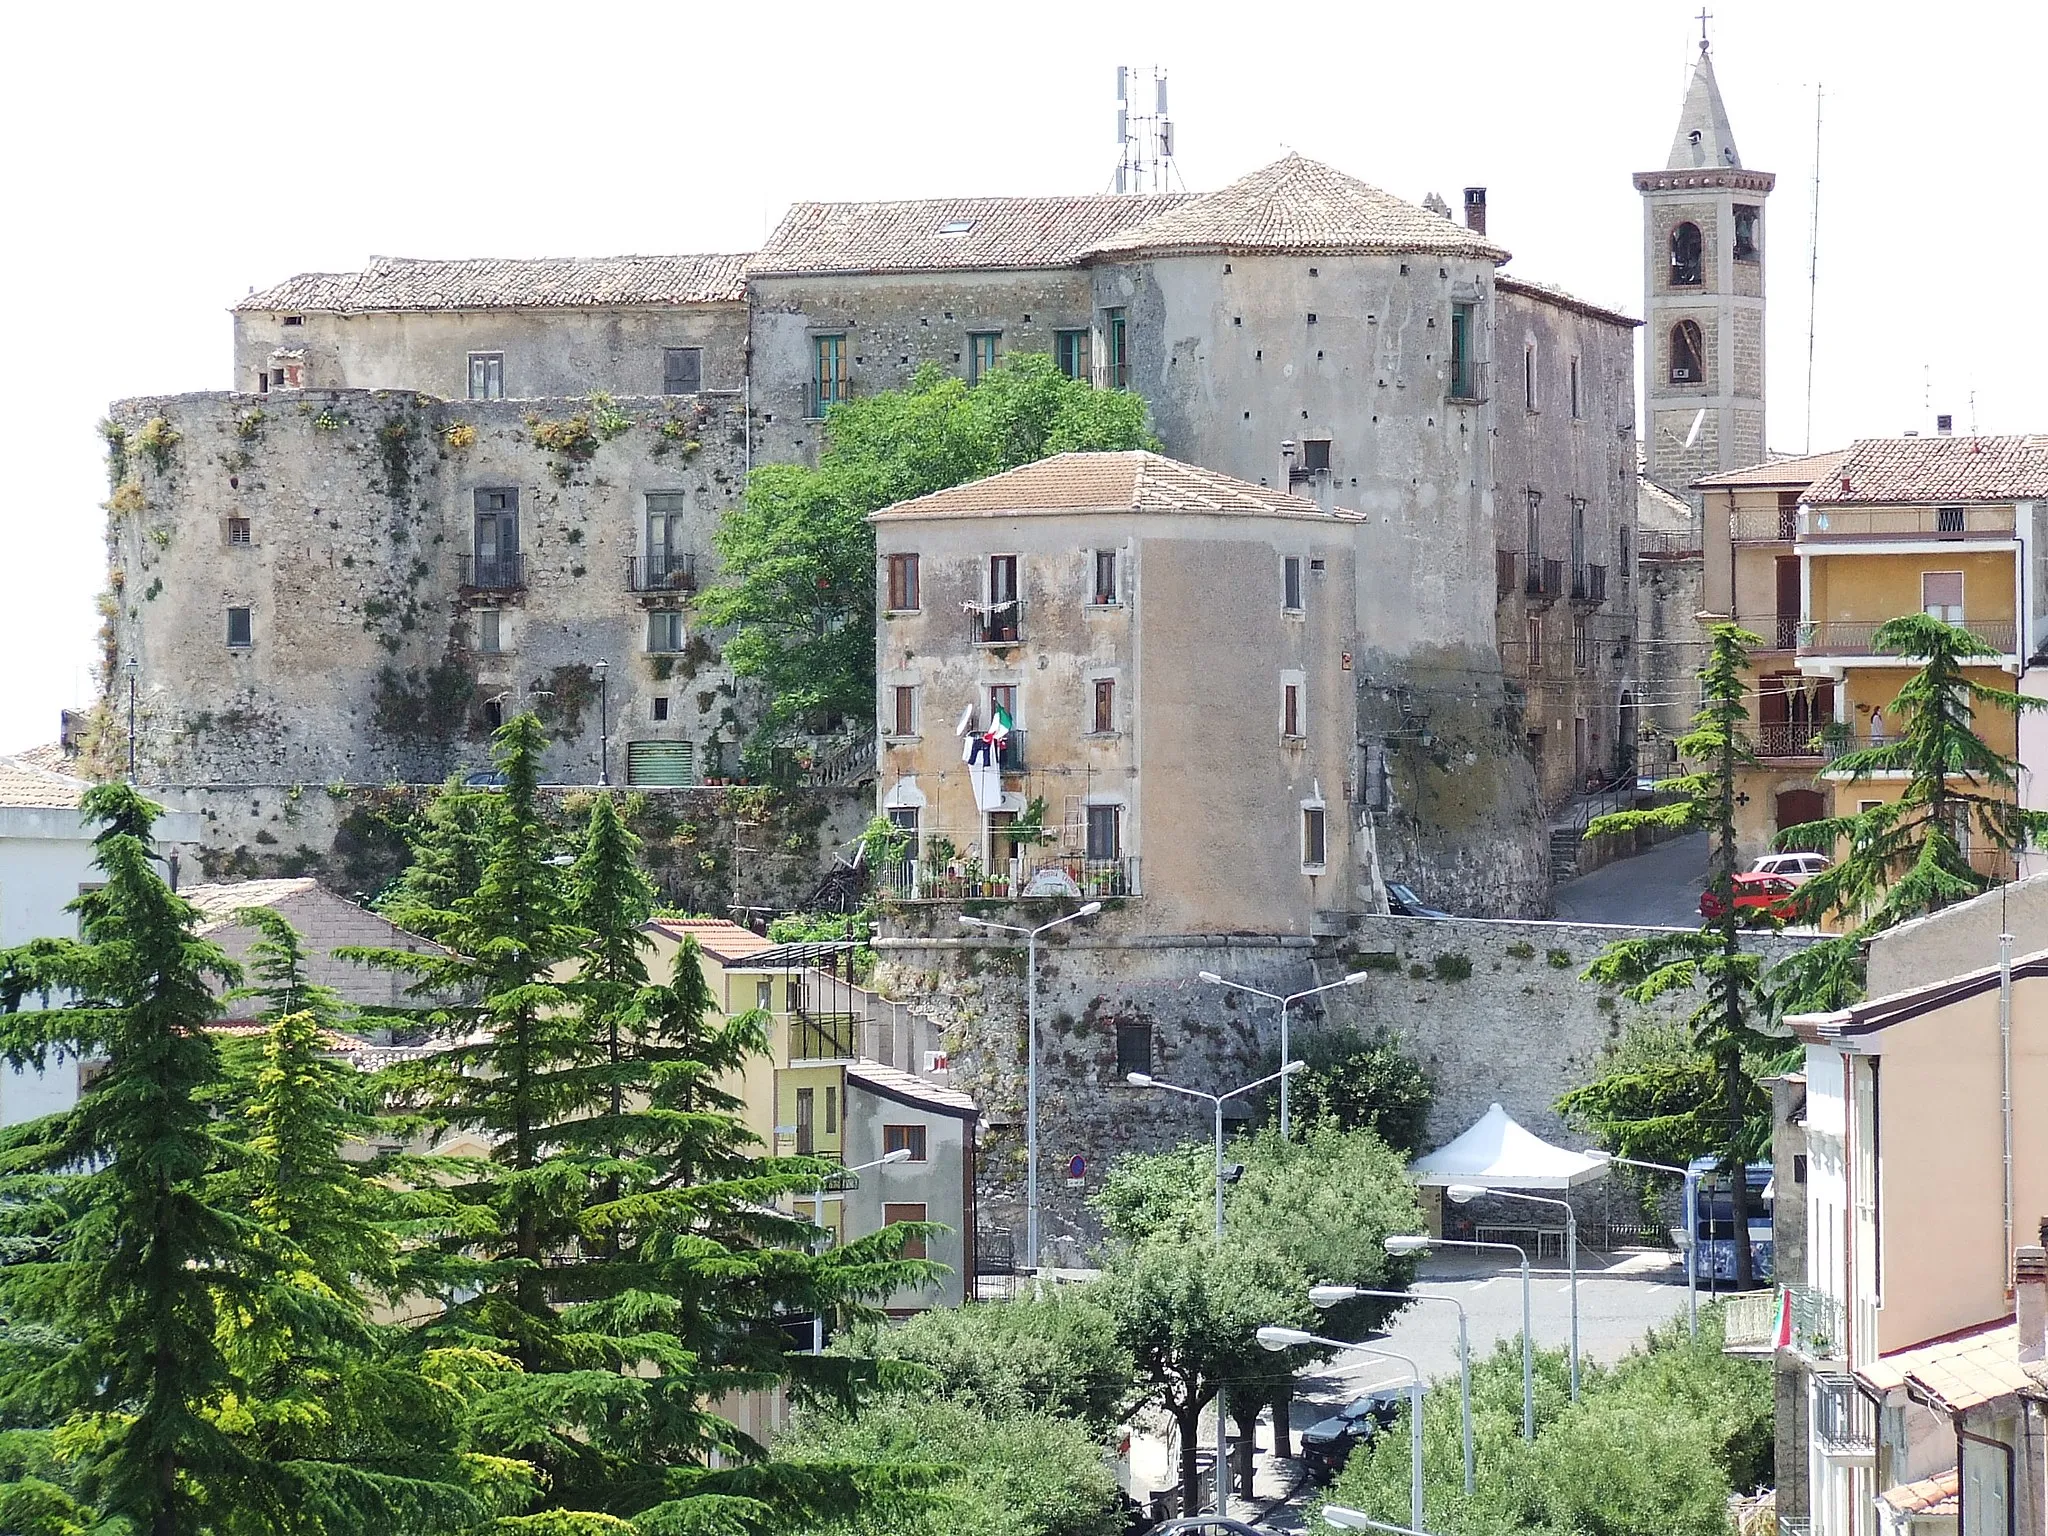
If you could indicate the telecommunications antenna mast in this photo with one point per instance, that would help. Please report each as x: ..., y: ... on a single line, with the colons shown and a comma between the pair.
x: 1144, y: 140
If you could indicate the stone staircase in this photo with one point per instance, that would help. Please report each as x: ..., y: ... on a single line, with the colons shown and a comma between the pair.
x: 1565, y: 844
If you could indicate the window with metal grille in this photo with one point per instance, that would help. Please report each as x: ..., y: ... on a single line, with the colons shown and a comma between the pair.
x: 1133, y: 1047
x: 1105, y: 831
x: 682, y: 370
x: 1950, y: 520
x: 903, y: 597
x: 238, y: 531
x: 486, y: 375
x: 905, y: 1138
x: 240, y: 629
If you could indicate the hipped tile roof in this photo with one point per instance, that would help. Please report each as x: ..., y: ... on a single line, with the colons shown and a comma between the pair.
x: 1964, y: 1370
x: 1132, y: 481
x: 897, y: 1084
x: 1790, y: 473
x: 29, y: 786
x: 493, y: 282
x: 721, y: 940
x: 1936, y: 469
x: 1300, y: 206
x: 987, y: 233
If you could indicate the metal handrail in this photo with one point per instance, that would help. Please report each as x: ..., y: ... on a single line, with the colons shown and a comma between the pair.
x: 1843, y: 638
x: 661, y: 573
x: 1824, y: 523
x: 503, y: 573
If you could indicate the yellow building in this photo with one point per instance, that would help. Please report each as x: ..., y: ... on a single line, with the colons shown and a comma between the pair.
x: 1815, y: 554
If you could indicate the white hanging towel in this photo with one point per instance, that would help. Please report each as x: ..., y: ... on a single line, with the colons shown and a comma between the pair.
x: 988, y: 786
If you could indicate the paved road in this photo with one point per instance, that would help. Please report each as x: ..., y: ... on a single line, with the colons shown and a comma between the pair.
x: 1661, y: 886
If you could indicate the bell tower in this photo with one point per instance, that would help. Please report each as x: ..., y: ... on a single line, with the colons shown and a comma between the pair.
x: 1704, y: 249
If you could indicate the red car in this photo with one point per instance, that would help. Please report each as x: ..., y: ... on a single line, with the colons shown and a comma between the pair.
x: 1767, y: 894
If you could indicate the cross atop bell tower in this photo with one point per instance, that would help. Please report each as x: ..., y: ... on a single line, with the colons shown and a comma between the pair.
x: 1703, y: 295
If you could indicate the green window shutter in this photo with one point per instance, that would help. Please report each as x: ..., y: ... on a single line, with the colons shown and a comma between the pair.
x: 660, y: 762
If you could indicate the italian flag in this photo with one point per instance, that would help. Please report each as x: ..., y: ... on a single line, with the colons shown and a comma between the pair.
x: 999, y: 726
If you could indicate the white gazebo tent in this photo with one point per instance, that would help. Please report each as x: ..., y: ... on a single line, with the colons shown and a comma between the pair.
x: 1499, y: 1152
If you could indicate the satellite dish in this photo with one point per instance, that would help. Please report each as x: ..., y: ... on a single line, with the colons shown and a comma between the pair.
x: 1693, y: 433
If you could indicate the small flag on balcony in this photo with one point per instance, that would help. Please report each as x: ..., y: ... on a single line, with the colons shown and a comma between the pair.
x: 1781, y: 1330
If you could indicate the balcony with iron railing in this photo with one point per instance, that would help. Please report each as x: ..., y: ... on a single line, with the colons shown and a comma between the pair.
x: 1001, y: 624
x: 1545, y: 579
x: 1777, y: 631
x: 949, y: 867
x: 1589, y: 583
x: 1844, y: 1419
x: 1661, y: 544
x: 820, y: 395
x: 661, y: 573
x: 1820, y: 525
x: 1757, y: 525
x: 823, y: 1036
x: 1829, y: 637
x: 1467, y: 378
x: 494, y: 573
x: 1777, y: 740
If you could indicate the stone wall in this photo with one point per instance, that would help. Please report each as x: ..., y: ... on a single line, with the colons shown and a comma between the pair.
x: 1496, y: 1009
x: 1670, y: 595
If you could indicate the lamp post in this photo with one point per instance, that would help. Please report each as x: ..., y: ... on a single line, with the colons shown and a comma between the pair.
x: 1692, y: 1232
x: 133, y: 667
x: 1031, y: 1062
x: 1462, y: 1193
x: 1351, y: 1520
x: 1146, y: 1080
x: 1285, y: 1003
x: 1285, y: 1338
x: 1403, y: 1242
x: 604, y: 722
x: 1331, y: 1295
x: 901, y: 1154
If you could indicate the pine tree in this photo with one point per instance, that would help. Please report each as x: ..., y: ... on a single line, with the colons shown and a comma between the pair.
x: 121, y: 1263
x: 1906, y: 857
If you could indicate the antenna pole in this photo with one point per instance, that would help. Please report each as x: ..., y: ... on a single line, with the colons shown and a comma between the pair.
x: 1813, y: 268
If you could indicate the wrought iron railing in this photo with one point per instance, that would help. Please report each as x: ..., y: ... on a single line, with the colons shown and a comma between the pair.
x: 949, y: 868
x: 823, y: 1036
x: 1545, y: 578
x: 1658, y: 544
x: 1823, y: 523
x: 1000, y: 625
x: 1844, y: 1420
x: 1778, y: 525
x: 661, y: 573
x: 1589, y: 583
x: 1828, y: 637
x: 1796, y: 739
x: 1467, y: 377
x: 498, y: 573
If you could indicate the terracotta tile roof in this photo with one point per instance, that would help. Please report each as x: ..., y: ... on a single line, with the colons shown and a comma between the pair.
x: 1300, y: 205
x: 50, y: 755
x: 331, y: 1040
x: 219, y: 903
x: 495, y: 282
x: 1787, y: 473
x: 1932, y: 469
x: 893, y: 1083
x: 1964, y: 1370
x: 1551, y: 294
x: 950, y: 234
x: 719, y: 939
x: 1658, y: 511
x: 1134, y: 481
x: 1940, y: 1494
x: 27, y: 785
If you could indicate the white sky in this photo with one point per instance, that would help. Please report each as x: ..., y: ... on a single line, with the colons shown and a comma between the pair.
x: 163, y: 159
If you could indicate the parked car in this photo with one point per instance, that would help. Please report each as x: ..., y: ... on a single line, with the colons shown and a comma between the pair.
x: 1796, y: 867
x: 1327, y: 1444
x: 1765, y: 895
x: 1206, y: 1525
x: 1403, y: 902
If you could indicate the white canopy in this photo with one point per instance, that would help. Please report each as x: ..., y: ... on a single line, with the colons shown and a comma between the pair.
x: 1497, y: 1151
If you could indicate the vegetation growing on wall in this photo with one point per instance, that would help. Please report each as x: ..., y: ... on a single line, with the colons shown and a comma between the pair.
x: 116, y: 437
x: 460, y: 436
x: 158, y: 441
x: 249, y: 425
x: 423, y: 705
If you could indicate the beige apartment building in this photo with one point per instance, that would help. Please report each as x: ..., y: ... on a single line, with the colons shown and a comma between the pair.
x: 1173, y: 652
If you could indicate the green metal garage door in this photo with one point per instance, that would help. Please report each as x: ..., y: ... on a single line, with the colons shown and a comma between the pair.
x: 660, y: 762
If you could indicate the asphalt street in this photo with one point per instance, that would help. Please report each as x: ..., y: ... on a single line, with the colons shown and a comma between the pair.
x: 1661, y: 886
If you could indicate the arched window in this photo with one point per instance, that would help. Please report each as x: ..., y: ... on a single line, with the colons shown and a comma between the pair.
x: 1688, y: 355
x: 1685, y: 256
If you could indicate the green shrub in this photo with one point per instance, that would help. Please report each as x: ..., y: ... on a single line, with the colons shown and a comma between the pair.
x: 1453, y: 967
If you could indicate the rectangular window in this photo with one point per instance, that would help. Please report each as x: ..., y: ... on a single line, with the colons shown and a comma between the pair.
x: 1315, y: 455
x: 981, y: 354
x: 828, y: 374
x: 1314, y: 850
x: 893, y: 1212
x: 238, y: 531
x: 1133, y: 1047
x: 496, y: 547
x: 1941, y: 595
x: 682, y: 370
x: 490, y: 630
x: 764, y: 998
x: 664, y: 631
x: 1105, y: 577
x: 1745, y: 232
x: 486, y: 375
x: 904, y: 722
x: 1290, y: 583
x: 1535, y: 643
x: 661, y: 706
x: 1290, y: 710
x: 1001, y: 624
x: 1105, y: 831
x: 240, y: 632
x: 1116, y: 360
x: 1581, y: 650
x: 905, y: 1138
x: 1070, y: 353
x: 1105, y: 706
x: 806, y: 1119
x: 831, y: 1111
x: 1464, y: 359
x: 1576, y: 412
x: 903, y: 583
x: 668, y: 538
x: 1529, y: 377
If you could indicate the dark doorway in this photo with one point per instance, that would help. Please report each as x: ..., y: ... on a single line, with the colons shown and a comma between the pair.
x: 1796, y: 807
x: 1788, y: 602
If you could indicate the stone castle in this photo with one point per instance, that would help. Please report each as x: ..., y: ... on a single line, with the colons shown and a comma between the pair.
x: 442, y: 491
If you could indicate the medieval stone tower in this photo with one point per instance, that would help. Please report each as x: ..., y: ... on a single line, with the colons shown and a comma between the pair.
x: 1704, y: 248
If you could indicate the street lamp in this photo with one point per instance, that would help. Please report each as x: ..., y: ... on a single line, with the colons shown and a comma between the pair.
x: 1406, y: 1242
x: 1351, y: 1520
x: 1331, y: 1295
x: 604, y: 722
x: 1285, y: 1003
x: 1692, y: 1229
x: 1463, y: 1193
x: 1146, y: 1080
x: 1031, y: 1062
x: 900, y: 1155
x: 1287, y: 1338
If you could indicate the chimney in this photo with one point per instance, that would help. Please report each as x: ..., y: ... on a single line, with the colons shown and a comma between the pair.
x: 2030, y: 1301
x: 1475, y: 210
x: 1944, y: 425
x: 1286, y: 480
